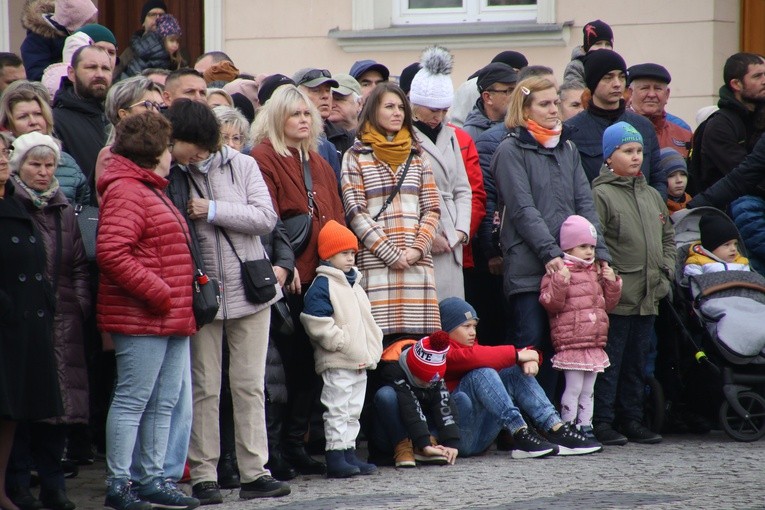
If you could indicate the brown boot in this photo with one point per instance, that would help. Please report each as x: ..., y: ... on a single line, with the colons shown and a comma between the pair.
x: 403, y: 454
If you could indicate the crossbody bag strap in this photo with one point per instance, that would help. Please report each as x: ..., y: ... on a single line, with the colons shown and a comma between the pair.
x: 396, y: 189
x: 221, y: 230
x: 194, y: 255
x: 308, y: 180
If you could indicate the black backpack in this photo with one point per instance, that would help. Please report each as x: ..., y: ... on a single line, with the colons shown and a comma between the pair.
x: 694, y: 158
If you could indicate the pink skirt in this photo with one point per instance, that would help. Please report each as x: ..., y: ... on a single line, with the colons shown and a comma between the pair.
x: 591, y: 359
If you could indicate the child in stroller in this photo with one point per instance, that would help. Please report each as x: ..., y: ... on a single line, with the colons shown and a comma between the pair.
x: 717, y: 250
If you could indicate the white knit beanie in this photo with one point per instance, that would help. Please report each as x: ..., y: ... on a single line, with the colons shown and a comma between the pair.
x: 28, y: 141
x: 432, y: 85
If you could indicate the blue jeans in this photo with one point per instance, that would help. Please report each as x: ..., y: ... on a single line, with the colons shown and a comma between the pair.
x: 530, y: 327
x: 388, y: 428
x: 149, y: 377
x: 620, y: 389
x: 180, y: 433
x: 485, y: 401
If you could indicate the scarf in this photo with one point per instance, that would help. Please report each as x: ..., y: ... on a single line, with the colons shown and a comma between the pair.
x: 548, y: 138
x: 611, y: 115
x: 572, y: 261
x: 393, y: 152
x: 675, y: 204
x: 40, y: 199
x: 431, y: 133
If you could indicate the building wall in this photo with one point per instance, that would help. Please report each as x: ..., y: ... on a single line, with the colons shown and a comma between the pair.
x: 692, y: 38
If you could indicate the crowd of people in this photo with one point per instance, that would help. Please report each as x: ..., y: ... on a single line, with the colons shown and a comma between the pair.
x: 356, y: 228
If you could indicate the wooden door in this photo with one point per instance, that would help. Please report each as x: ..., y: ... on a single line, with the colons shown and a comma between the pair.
x: 122, y: 18
x: 752, y: 21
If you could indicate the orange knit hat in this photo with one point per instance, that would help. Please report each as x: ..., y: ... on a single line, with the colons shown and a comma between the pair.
x: 335, y: 238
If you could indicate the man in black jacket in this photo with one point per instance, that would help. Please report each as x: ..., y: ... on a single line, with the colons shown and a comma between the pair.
x: 731, y: 133
x: 78, y: 108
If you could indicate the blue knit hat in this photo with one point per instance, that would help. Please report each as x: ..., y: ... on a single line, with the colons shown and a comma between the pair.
x: 455, y: 311
x: 619, y: 134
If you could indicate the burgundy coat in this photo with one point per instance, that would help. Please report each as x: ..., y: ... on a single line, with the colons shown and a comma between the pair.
x: 72, y: 300
x: 143, y: 256
x: 579, y: 309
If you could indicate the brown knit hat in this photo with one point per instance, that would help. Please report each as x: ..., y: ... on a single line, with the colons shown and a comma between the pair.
x: 335, y: 238
x: 224, y: 70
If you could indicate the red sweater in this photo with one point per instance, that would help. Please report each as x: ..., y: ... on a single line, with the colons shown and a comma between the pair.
x: 143, y: 256
x: 461, y: 359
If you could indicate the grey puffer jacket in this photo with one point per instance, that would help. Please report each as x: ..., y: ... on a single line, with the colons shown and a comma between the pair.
x: 539, y: 188
x: 244, y: 209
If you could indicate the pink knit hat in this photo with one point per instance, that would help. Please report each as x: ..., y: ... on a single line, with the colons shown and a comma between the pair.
x: 576, y: 231
x: 73, y: 14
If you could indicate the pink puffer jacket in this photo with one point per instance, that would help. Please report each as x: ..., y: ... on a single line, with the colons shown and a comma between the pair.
x: 579, y: 309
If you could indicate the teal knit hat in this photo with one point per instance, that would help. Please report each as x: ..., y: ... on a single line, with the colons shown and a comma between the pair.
x: 619, y: 134
x: 99, y: 33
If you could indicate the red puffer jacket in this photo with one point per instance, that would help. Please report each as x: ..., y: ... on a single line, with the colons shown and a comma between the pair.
x: 143, y: 256
x: 578, y: 309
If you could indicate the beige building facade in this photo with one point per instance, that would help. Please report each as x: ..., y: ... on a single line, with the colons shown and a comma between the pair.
x: 691, y: 38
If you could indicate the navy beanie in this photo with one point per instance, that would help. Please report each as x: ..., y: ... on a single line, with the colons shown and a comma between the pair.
x: 407, y: 75
x: 454, y: 311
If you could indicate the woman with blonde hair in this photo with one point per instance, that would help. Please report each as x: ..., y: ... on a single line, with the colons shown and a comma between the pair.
x: 540, y: 180
x: 302, y: 184
x: 24, y: 108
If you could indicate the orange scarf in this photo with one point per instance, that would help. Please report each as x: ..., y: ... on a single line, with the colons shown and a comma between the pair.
x: 393, y: 152
x: 545, y: 137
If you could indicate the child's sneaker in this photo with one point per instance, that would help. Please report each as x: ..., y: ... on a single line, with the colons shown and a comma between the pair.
x: 527, y: 444
x: 587, y: 432
x: 403, y: 454
x: 571, y: 442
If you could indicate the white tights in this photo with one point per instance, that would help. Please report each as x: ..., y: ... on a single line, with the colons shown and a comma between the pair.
x: 576, y: 402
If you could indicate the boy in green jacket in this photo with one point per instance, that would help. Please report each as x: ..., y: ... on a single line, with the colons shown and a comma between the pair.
x: 640, y: 238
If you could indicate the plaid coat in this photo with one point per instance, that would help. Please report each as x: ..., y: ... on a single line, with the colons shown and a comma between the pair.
x: 402, y: 301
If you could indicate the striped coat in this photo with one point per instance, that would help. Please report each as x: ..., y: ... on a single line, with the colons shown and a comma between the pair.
x: 402, y: 301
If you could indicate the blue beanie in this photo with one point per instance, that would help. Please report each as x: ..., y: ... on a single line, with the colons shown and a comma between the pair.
x: 619, y: 134
x: 454, y: 311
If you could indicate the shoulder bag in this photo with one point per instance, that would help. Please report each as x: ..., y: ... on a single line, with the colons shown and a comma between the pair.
x: 205, y: 291
x: 87, y: 220
x: 299, y: 227
x: 258, y: 278
x: 395, y: 191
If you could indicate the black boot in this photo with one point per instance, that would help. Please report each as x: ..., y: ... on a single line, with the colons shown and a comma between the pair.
x: 280, y: 468
x: 228, y: 471
x: 295, y: 454
x: 295, y: 427
x: 23, y: 499
x: 55, y: 499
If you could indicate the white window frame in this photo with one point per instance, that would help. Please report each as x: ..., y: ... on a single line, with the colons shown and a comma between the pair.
x: 472, y: 11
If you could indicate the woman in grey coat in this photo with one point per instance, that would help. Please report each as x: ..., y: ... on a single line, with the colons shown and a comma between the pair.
x: 431, y: 95
x: 540, y: 182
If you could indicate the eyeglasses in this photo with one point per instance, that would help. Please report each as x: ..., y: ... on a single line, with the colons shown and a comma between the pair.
x: 231, y: 138
x: 6, y: 153
x: 500, y: 91
x: 149, y: 105
x: 313, y: 74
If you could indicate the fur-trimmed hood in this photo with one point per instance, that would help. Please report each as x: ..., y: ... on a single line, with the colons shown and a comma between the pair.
x: 32, y: 18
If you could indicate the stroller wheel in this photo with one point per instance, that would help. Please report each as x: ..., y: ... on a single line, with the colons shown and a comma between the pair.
x: 653, y: 410
x: 749, y: 427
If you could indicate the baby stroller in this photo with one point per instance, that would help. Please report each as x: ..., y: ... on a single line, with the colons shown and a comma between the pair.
x: 726, y: 309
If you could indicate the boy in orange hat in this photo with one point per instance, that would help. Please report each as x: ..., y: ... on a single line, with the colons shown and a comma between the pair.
x: 347, y: 342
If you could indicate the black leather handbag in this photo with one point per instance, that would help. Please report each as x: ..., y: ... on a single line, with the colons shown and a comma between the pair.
x: 87, y: 220
x: 299, y: 227
x: 258, y: 278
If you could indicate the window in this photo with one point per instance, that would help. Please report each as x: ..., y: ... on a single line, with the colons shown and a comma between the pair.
x: 423, y: 12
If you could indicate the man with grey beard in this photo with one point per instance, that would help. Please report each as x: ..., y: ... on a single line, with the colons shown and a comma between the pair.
x: 78, y: 108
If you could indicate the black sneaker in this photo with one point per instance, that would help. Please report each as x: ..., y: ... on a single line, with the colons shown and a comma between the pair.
x: 163, y: 493
x: 608, y: 436
x: 571, y: 442
x: 122, y: 496
x: 264, y: 487
x: 639, y: 433
x: 527, y: 444
x: 208, y: 493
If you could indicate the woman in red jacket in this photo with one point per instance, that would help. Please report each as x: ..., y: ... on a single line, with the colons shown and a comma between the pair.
x: 144, y: 301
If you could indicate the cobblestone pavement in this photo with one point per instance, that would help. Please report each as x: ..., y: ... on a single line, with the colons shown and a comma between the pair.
x: 698, y: 472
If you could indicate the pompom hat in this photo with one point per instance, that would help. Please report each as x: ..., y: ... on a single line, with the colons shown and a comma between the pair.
x: 576, y: 231
x: 432, y: 85
x: 619, y: 134
x: 426, y: 359
x: 335, y: 238
x: 167, y: 25
x: 27, y: 142
x: 454, y: 312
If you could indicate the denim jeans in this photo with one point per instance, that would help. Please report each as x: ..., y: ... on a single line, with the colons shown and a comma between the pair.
x: 489, y: 401
x: 180, y: 433
x: 530, y: 327
x: 150, y: 372
x: 621, y: 388
x: 388, y: 428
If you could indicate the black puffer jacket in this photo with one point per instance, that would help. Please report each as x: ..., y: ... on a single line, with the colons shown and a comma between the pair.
x: 146, y: 51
